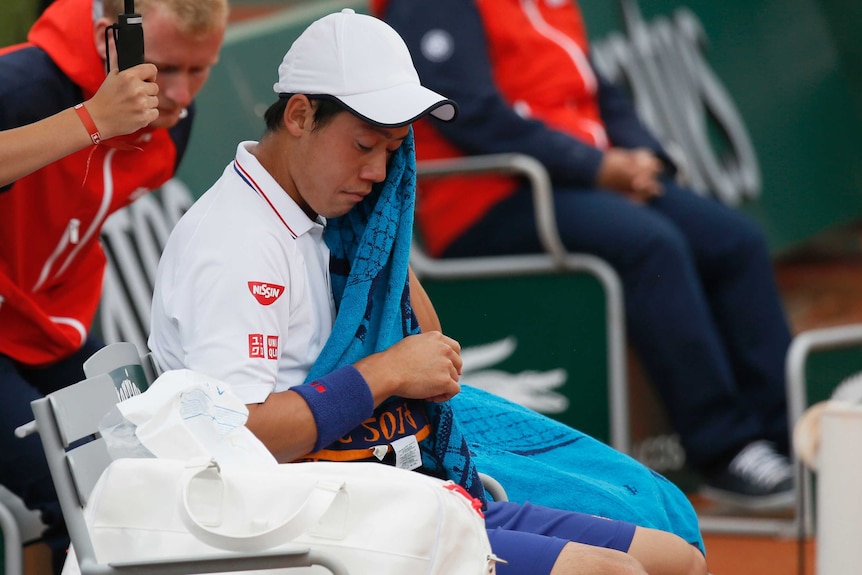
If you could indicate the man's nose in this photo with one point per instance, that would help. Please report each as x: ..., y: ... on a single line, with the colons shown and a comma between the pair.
x: 178, y: 89
x: 375, y: 169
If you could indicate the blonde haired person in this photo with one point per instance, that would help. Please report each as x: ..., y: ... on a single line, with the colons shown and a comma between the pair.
x: 51, y: 263
x: 702, y: 309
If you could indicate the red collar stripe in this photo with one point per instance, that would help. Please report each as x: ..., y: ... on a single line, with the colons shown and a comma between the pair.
x: 253, y: 185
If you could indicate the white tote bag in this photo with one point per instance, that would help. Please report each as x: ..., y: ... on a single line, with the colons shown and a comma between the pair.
x: 375, y: 518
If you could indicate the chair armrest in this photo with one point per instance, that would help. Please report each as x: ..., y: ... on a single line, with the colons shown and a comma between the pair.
x: 28, y: 428
x: 801, y: 347
x: 299, y: 556
x: 493, y: 487
x: 519, y: 164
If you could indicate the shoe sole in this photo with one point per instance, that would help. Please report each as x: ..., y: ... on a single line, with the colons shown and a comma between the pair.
x: 777, y: 502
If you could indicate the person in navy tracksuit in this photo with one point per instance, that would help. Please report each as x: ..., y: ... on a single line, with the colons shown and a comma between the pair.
x: 703, y: 310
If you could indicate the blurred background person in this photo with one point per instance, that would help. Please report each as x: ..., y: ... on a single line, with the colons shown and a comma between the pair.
x: 703, y: 311
x: 51, y: 262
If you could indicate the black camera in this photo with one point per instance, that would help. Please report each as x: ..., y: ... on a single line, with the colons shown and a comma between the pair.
x: 128, y: 38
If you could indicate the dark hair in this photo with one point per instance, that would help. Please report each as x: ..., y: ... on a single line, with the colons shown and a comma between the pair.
x: 325, y: 108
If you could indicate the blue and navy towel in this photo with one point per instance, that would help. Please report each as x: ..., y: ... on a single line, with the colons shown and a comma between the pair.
x: 534, y: 457
x: 369, y: 257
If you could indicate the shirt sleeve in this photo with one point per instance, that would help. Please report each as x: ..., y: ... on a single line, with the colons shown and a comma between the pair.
x: 31, y: 89
x: 223, y: 328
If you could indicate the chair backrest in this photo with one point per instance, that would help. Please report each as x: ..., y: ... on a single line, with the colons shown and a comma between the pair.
x: 121, y: 361
x: 68, y: 421
x: 114, y: 372
x: 77, y: 411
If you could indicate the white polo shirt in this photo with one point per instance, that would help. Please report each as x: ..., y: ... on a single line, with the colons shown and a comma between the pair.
x: 242, y: 290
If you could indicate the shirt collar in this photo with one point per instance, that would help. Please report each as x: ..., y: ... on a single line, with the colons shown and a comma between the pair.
x: 260, y: 181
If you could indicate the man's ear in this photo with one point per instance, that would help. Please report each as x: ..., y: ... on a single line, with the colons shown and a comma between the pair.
x: 99, y: 27
x: 298, y: 114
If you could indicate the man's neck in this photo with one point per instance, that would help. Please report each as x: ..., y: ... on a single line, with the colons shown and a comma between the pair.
x: 272, y: 152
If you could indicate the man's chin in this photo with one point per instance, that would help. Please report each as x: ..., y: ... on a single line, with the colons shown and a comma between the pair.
x: 168, y: 120
x: 161, y: 123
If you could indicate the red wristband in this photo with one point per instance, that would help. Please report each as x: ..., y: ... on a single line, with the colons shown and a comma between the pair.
x: 88, y: 122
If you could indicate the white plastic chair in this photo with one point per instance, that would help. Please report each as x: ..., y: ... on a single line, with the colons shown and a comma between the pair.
x: 73, y: 413
x: 802, y: 348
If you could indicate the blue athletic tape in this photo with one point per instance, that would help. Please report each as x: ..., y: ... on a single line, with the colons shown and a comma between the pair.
x: 339, y: 402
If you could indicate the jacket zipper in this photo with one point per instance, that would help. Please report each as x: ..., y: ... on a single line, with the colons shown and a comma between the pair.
x: 71, y: 236
x: 74, y: 227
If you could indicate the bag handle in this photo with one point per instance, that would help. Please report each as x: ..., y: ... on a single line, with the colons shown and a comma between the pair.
x: 307, y: 515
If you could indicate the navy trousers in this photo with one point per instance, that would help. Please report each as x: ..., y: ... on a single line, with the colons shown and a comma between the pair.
x: 23, y: 468
x: 703, y: 310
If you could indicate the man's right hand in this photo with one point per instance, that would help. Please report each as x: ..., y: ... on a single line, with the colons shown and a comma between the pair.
x: 422, y: 366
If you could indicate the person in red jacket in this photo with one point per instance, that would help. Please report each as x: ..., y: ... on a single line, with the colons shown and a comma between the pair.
x: 51, y: 262
x: 702, y: 308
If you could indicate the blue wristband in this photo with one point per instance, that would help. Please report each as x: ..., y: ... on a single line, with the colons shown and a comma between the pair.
x: 339, y: 402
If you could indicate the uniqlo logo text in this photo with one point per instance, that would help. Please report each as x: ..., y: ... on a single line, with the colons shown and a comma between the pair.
x: 255, y: 345
x: 262, y: 346
x: 265, y: 293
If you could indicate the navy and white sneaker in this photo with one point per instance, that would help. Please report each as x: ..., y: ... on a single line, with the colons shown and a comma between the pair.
x: 757, y: 478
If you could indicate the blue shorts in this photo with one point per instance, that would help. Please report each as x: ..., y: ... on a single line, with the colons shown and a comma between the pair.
x: 531, y: 537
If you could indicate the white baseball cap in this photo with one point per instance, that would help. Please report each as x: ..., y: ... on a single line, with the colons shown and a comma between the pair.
x: 364, y: 64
